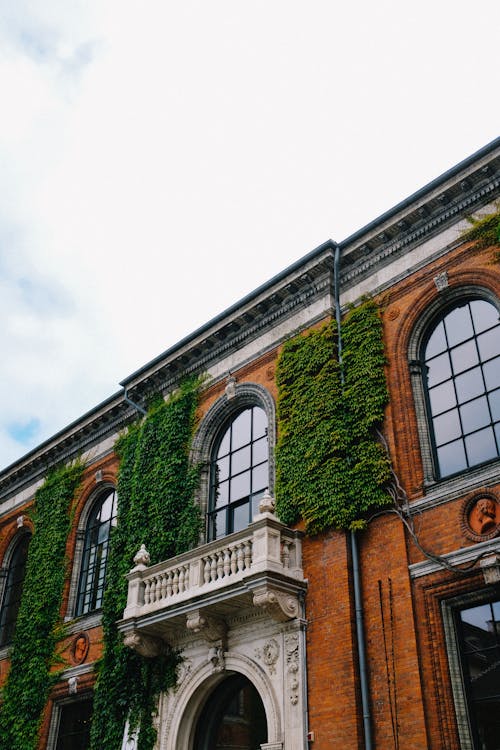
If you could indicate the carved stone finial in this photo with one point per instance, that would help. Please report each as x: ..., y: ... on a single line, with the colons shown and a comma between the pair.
x: 267, y: 504
x: 145, y: 645
x: 280, y: 605
x: 142, y: 558
x: 230, y: 390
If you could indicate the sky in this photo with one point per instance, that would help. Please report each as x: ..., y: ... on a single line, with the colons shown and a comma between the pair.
x: 160, y: 160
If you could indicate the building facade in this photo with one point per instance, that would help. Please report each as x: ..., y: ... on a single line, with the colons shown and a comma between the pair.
x: 386, y: 637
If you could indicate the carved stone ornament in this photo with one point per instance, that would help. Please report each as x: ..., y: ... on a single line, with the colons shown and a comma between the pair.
x: 480, y: 516
x: 292, y: 663
x: 145, y: 645
x: 280, y: 605
x: 142, y: 558
x: 490, y: 565
x: 267, y: 503
x: 269, y: 654
x: 216, y: 658
x: 441, y: 281
x: 79, y: 648
x: 211, y: 628
x: 72, y: 685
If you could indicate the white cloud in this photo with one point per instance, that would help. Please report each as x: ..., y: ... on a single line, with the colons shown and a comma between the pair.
x: 160, y: 160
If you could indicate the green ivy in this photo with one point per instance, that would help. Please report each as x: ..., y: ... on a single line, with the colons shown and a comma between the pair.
x: 156, y: 485
x: 330, y: 469
x: 38, y: 626
x: 485, y: 231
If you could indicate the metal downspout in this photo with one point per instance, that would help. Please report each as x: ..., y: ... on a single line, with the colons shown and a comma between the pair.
x: 358, y: 604
x: 132, y: 403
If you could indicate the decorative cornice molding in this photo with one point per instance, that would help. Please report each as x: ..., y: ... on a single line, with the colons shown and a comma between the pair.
x: 457, y: 557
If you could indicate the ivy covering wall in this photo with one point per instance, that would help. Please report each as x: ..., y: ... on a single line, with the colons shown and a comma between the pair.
x: 156, y: 486
x: 485, y: 231
x: 38, y: 624
x: 330, y: 468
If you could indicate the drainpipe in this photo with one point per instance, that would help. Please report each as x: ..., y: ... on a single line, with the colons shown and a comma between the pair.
x: 133, y: 404
x: 358, y: 604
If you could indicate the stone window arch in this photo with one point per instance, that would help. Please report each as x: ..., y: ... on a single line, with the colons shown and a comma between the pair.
x: 12, y: 579
x: 235, y: 446
x: 454, y: 358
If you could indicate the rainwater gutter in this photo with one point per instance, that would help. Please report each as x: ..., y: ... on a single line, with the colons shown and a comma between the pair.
x: 358, y: 602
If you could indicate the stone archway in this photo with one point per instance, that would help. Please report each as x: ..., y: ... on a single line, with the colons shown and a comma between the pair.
x: 184, y: 709
x: 233, y: 717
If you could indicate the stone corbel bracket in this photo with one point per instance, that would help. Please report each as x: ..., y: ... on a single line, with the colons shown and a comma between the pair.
x: 490, y: 565
x: 280, y: 605
x: 145, y: 645
x: 213, y: 629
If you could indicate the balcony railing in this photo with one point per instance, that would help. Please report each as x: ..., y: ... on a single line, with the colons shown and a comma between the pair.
x: 261, y: 565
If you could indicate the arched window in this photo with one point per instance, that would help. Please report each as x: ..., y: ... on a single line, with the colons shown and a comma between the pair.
x: 13, y: 589
x: 461, y: 371
x: 239, y: 472
x: 95, y: 553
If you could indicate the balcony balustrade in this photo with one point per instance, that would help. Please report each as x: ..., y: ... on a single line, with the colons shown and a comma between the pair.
x: 258, y: 566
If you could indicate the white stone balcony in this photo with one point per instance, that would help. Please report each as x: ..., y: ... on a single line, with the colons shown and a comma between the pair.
x: 199, y: 590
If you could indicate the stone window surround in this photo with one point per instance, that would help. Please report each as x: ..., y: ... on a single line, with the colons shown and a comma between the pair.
x: 4, y: 573
x: 445, y: 298
x: 245, y: 395
x: 449, y: 608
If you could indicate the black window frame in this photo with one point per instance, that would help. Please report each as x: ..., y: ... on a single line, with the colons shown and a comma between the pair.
x: 92, y: 576
x: 459, y: 405
x: 13, y: 587
x: 255, y: 492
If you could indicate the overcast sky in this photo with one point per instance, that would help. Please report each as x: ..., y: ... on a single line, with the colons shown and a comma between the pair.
x: 159, y: 160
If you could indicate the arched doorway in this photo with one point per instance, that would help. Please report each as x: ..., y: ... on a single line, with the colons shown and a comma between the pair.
x: 233, y: 718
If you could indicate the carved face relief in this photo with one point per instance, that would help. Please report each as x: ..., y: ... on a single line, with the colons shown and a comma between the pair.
x: 80, y: 647
x: 481, y: 517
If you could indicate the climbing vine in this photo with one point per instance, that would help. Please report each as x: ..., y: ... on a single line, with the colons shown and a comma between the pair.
x: 38, y: 627
x: 485, y: 231
x: 330, y: 468
x: 156, y: 485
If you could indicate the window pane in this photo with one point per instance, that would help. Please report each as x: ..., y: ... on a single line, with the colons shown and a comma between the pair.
x: 481, y: 446
x: 469, y: 384
x: 240, y: 486
x: 494, y: 399
x: 241, y: 429
x: 458, y: 325
x: 240, y: 460
x: 222, y: 494
x: 259, y: 422
x: 438, y: 369
x: 74, y: 726
x: 261, y: 450
x: 475, y: 414
x: 222, y: 468
x: 464, y: 356
x: 260, y: 478
x: 451, y: 458
x: 256, y: 498
x: 489, y: 344
x: 492, y: 374
x: 484, y: 315
x: 240, y: 517
x: 442, y: 397
x: 447, y: 427
x: 13, y: 590
x: 477, y: 616
x: 437, y: 342
x: 217, y: 524
x: 224, y: 444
